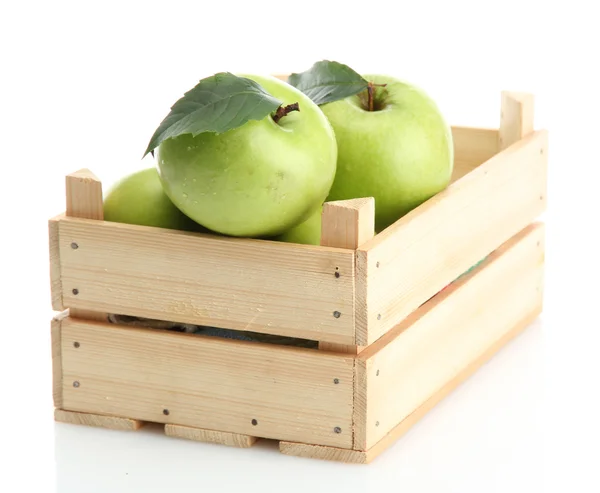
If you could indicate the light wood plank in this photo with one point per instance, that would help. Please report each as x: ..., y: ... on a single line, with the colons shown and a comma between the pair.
x: 347, y: 224
x: 210, y: 436
x: 240, y: 387
x: 263, y: 286
x: 516, y: 117
x: 84, y: 200
x: 97, y: 420
x: 55, y: 281
x: 424, y: 251
x: 399, y: 430
x: 84, y: 195
x: 366, y: 457
x: 472, y: 147
x: 323, y: 453
x: 428, y: 349
x: 57, y: 374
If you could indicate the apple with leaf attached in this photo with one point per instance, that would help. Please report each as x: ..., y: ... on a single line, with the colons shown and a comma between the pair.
x: 393, y: 142
x: 246, y: 156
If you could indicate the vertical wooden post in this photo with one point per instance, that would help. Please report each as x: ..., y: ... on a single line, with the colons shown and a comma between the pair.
x: 516, y: 117
x: 84, y: 200
x: 347, y: 224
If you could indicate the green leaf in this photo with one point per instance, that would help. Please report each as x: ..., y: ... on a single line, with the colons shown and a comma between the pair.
x: 217, y: 103
x: 328, y: 81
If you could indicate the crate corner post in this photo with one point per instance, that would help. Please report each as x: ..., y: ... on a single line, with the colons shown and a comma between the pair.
x: 348, y: 224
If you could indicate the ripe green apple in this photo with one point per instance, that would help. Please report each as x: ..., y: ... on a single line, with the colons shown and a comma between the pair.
x: 401, y: 153
x: 139, y: 198
x: 260, y: 179
x: 306, y: 233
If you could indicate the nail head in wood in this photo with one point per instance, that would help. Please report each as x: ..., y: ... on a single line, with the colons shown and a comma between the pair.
x: 337, y: 314
x: 337, y: 429
x: 75, y: 384
x: 336, y: 380
x: 76, y: 344
x: 75, y: 291
x: 166, y: 412
x: 254, y: 422
x: 74, y: 246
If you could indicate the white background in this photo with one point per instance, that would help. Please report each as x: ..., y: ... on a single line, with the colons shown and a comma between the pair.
x: 84, y: 84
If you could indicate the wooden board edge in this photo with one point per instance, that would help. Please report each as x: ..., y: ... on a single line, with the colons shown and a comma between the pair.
x: 55, y: 276
x: 210, y: 436
x: 359, y: 405
x: 322, y: 452
x: 404, y: 426
x: 97, y: 420
x: 57, y: 373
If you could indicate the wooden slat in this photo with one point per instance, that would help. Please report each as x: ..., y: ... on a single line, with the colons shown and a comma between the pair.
x: 57, y: 374
x: 97, y: 420
x: 405, y: 425
x: 210, y: 436
x: 516, y: 118
x: 424, y: 251
x: 472, y: 147
x: 55, y: 282
x: 429, y: 349
x: 324, y: 453
x: 264, y: 286
x: 347, y: 224
x: 84, y: 200
x: 240, y: 387
x: 366, y: 457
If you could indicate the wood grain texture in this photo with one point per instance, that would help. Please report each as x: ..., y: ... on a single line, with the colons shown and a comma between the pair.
x: 210, y: 436
x: 208, y: 382
x: 516, y: 117
x: 97, y: 420
x: 366, y: 457
x: 55, y: 280
x: 263, y: 286
x: 466, y: 372
x: 321, y: 452
x: 472, y: 147
x: 57, y: 374
x: 347, y: 224
x: 84, y: 200
x: 424, y: 251
x: 428, y: 349
x: 84, y: 195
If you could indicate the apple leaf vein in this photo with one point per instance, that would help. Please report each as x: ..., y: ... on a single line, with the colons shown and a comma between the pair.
x: 327, y: 81
x: 216, y: 104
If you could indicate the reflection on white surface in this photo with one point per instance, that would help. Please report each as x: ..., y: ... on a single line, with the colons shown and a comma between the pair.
x: 484, y: 437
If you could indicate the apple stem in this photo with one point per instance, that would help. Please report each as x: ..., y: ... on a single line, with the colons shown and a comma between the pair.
x: 371, y: 99
x: 284, y: 110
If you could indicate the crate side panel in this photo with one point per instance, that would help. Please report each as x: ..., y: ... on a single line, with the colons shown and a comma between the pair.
x: 208, y: 382
x: 270, y: 287
x: 427, y: 350
x: 427, y: 249
x: 472, y: 147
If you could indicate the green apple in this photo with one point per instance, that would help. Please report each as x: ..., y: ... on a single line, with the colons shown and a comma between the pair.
x: 260, y: 179
x: 400, y: 152
x: 307, y: 232
x: 139, y: 199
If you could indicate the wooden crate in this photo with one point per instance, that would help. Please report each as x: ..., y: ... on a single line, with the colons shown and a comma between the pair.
x: 399, y: 319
